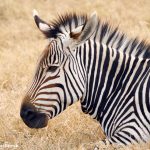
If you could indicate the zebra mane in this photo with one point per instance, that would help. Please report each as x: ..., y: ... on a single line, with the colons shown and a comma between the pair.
x: 66, y: 23
x: 105, y: 33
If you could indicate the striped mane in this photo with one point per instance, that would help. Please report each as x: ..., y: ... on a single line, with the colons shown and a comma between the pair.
x: 66, y: 23
x: 105, y: 33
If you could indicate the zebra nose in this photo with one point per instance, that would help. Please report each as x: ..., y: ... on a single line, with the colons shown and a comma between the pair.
x: 32, y: 118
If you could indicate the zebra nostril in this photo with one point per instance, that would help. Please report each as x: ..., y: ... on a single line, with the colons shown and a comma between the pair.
x: 27, y: 113
x: 30, y: 114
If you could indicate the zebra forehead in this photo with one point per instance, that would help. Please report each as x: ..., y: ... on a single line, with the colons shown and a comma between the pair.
x: 44, y: 55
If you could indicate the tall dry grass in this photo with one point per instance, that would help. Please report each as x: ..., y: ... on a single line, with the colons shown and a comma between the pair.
x: 21, y: 44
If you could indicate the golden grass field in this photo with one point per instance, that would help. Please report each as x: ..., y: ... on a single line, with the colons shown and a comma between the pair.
x: 20, y: 46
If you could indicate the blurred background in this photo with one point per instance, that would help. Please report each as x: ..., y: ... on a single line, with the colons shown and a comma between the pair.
x: 21, y: 43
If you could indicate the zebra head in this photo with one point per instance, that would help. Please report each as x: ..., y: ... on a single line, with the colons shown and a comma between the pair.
x: 60, y: 78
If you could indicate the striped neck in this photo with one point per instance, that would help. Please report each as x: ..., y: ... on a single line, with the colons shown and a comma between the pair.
x: 106, y: 71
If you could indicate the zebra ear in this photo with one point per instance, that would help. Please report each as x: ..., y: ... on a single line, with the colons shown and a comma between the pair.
x: 82, y: 33
x: 42, y: 25
x: 75, y: 33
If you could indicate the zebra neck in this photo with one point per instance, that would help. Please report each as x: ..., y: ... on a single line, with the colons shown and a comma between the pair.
x: 105, y: 67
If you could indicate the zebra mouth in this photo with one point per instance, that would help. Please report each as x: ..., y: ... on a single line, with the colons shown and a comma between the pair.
x: 38, y: 121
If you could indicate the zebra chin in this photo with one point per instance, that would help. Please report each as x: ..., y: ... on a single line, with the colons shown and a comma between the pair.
x: 32, y: 118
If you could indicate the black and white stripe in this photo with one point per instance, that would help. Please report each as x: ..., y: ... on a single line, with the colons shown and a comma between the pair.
x: 108, y: 72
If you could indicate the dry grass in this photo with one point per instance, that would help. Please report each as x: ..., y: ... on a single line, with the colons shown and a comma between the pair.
x: 20, y: 45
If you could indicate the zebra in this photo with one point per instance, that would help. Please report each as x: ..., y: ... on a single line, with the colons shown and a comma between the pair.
x: 87, y: 59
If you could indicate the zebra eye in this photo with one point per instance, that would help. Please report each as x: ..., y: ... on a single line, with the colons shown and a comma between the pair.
x: 52, y: 68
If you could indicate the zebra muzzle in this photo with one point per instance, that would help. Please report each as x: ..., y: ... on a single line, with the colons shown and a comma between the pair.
x: 32, y: 118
